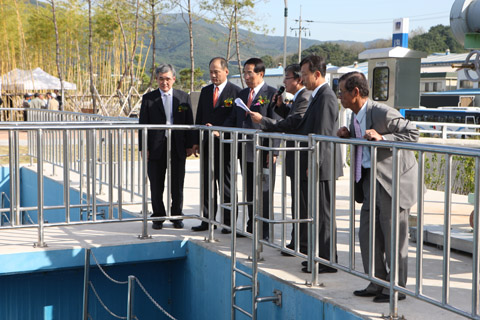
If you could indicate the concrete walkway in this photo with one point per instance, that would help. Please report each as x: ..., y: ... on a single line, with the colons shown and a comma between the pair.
x: 336, y: 288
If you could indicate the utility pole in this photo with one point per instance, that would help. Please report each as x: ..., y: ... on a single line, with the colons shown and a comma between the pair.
x: 300, y: 29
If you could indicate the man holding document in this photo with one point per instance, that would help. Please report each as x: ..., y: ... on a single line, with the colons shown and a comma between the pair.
x: 256, y: 97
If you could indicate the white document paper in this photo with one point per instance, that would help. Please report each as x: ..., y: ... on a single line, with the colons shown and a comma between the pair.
x: 242, y: 105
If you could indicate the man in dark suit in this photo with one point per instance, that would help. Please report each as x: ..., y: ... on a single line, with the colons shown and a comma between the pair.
x: 320, y: 118
x: 166, y: 106
x: 257, y: 97
x: 377, y: 122
x: 214, y: 107
x: 292, y: 117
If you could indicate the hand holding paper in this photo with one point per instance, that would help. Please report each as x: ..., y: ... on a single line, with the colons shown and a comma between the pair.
x: 239, y: 102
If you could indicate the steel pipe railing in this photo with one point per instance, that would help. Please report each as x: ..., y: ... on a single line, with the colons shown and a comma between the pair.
x: 124, y: 164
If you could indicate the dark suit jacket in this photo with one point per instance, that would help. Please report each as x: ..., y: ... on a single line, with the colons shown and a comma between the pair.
x: 239, y: 119
x: 153, y: 112
x: 289, y: 124
x: 216, y: 115
x: 321, y: 118
x: 392, y: 126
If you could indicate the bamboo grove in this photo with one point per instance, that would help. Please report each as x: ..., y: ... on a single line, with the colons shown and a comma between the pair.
x: 98, y: 45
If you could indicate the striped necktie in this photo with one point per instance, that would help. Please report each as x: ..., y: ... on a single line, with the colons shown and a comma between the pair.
x: 358, y: 152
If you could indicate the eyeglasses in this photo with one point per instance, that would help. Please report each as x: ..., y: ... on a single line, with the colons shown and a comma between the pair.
x: 162, y: 79
x: 288, y: 78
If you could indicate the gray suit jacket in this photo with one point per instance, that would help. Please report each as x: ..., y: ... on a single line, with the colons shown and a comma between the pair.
x: 321, y: 118
x: 292, y: 119
x: 392, y: 126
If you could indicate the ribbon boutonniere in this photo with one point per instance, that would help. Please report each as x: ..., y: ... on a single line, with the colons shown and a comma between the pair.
x: 227, y: 103
x: 182, y: 108
x: 261, y: 101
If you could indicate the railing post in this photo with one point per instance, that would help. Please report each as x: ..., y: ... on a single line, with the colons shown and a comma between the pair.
x: 476, y: 241
x: 446, y: 229
x: 313, y: 157
x: 373, y: 210
x: 420, y: 223
x: 130, y: 297
x: 40, y: 190
x: 144, y: 187
x: 257, y: 208
x: 13, y: 164
x: 211, y: 185
x: 394, y: 236
x: 120, y: 174
x: 66, y: 174
x: 86, y: 281
x: 233, y: 216
x: 111, y: 163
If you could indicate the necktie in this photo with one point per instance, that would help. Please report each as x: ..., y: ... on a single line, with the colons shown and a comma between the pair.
x: 167, y: 107
x: 358, y: 152
x: 215, y: 96
x: 250, y: 98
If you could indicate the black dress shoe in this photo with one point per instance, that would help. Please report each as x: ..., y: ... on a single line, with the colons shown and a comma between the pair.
x: 364, y: 293
x: 177, y: 224
x: 157, y: 225
x: 286, y: 254
x: 226, y: 231
x: 202, y: 227
x: 381, y: 297
x: 321, y: 269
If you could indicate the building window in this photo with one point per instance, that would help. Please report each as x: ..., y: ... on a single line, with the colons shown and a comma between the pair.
x: 427, y: 86
x: 465, y: 84
x: 380, y: 83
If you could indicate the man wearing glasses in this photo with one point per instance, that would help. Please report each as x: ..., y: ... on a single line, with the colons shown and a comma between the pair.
x: 166, y: 106
x: 292, y: 115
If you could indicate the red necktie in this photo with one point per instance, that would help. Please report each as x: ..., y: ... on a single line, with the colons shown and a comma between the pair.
x: 215, y: 96
x: 250, y: 98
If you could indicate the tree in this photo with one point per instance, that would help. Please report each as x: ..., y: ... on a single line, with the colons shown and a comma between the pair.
x: 155, y: 7
x: 186, y: 5
x: 90, y: 58
x: 438, y: 39
x: 268, y: 61
x: 185, y: 78
x: 335, y: 54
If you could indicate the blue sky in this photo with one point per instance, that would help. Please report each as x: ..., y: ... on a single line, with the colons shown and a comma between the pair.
x: 358, y: 20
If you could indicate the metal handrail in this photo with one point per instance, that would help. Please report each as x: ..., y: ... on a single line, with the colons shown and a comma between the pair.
x: 86, y: 169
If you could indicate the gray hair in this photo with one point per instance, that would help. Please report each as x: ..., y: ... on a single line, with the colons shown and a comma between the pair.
x: 164, y: 68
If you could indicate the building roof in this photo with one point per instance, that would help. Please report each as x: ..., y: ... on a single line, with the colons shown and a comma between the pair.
x: 444, y: 59
x: 461, y: 92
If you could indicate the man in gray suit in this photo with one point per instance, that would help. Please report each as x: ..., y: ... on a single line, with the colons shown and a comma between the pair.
x: 292, y: 117
x: 376, y: 122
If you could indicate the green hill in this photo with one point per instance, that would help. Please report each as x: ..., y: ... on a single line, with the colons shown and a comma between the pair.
x: 210, y: 41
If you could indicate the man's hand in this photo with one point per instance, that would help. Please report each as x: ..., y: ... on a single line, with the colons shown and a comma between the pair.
x: 256, y: 117
x: 215, y: 133
x: 372, y: 135
x: 278, y: 100
x: 343, y: 132
x: 268, y: 160
x: 196, y: 150
x: 189, y: 152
